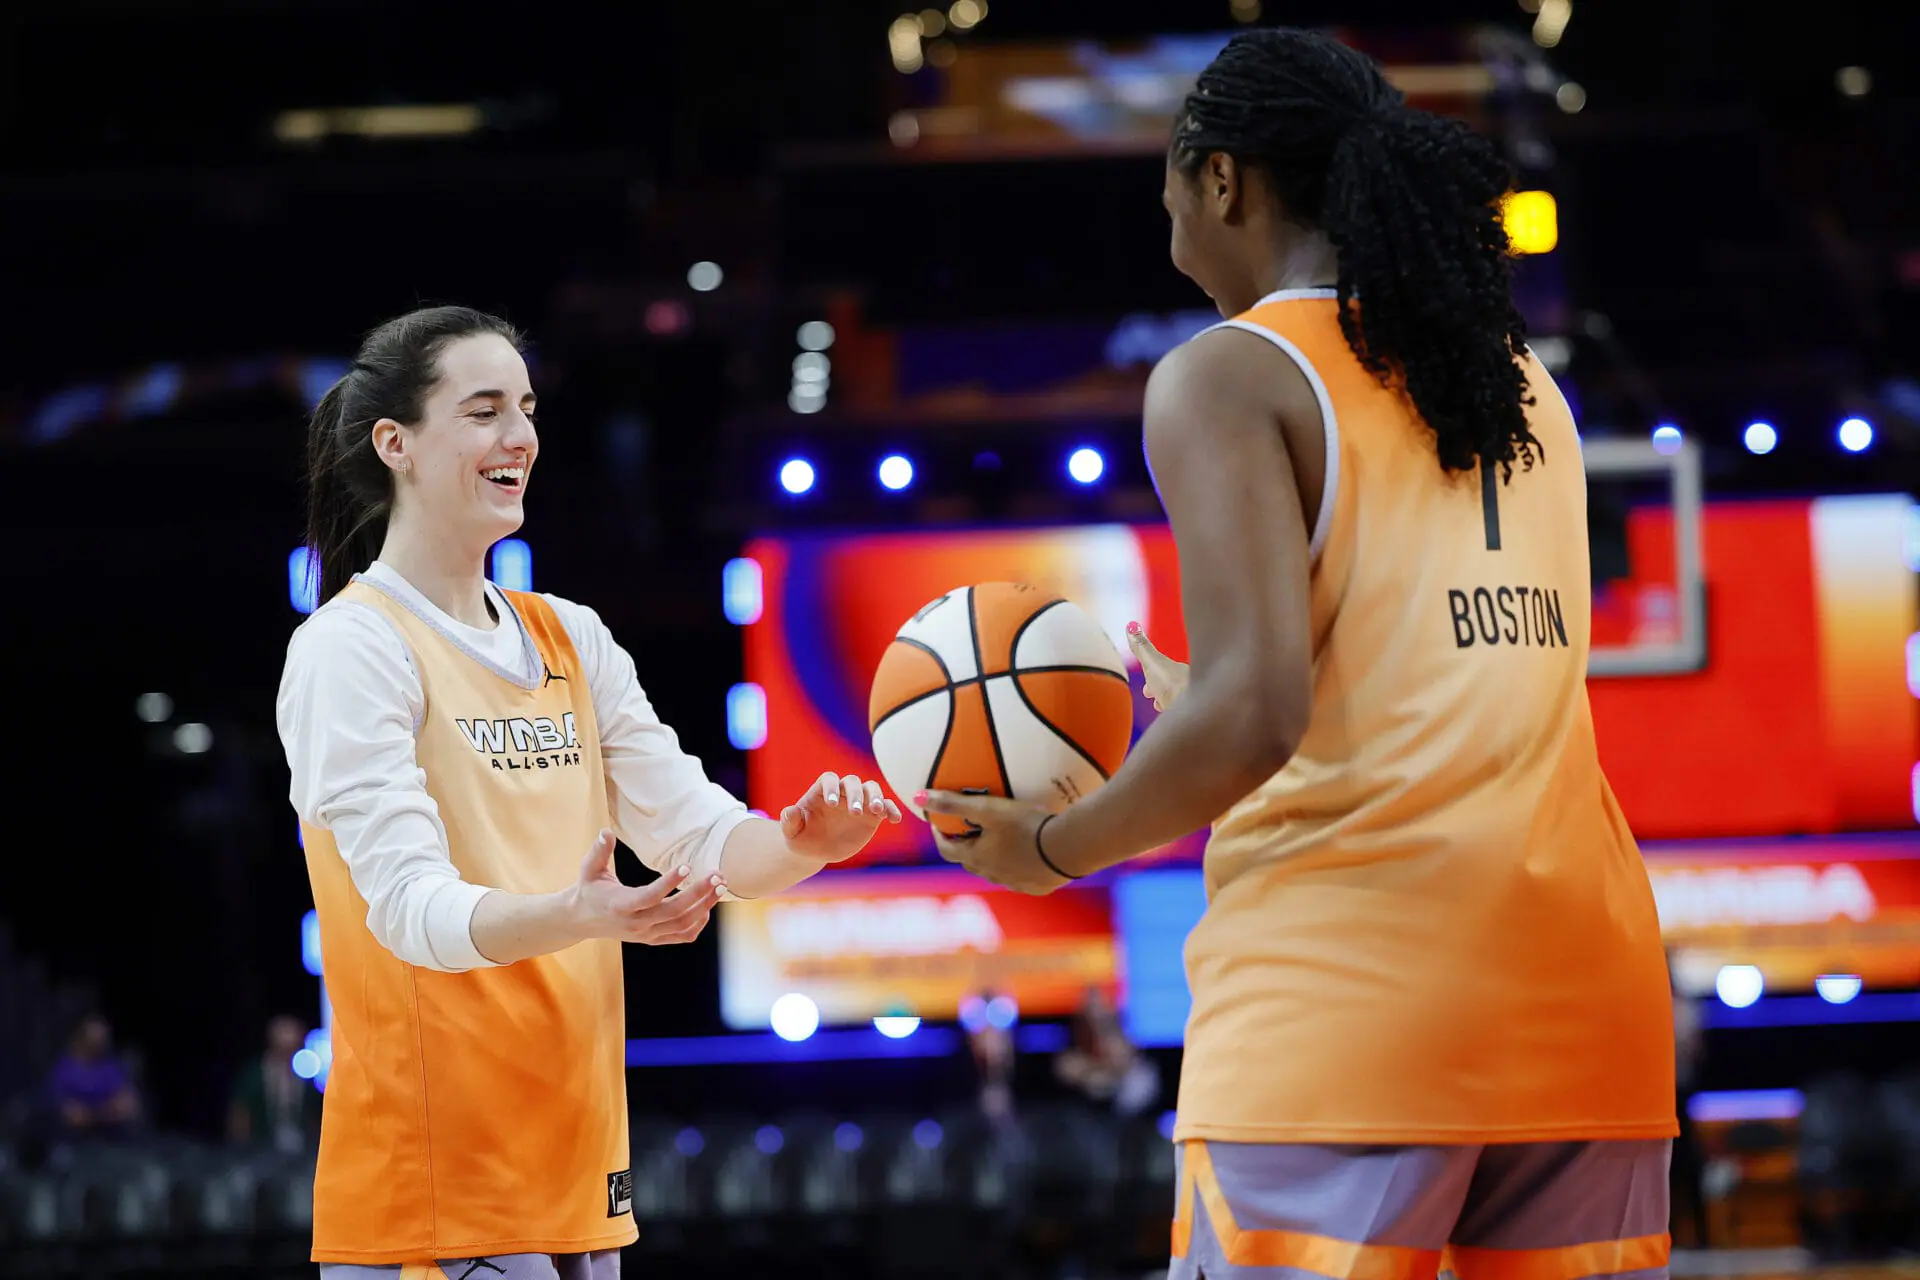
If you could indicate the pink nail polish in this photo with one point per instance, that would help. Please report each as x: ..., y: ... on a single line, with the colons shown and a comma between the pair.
x: 1134, y: 628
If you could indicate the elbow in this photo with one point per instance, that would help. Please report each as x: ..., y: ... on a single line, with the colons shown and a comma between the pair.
x: 1272, y: 723
x: 1275, y: 741
x: 397, y: 920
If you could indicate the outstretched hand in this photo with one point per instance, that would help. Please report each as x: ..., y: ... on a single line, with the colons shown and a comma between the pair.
x: 836, y: 817
x: 1165, y: 679
x: 1003, y: 843
x: 653, y: 914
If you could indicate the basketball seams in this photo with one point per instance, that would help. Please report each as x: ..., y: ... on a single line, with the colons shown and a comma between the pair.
x: 986, y: 703
x: 1078, y: 668
x: 946, y: 736
x: 1013, y: 663
x: 930, y: 651
x: 1055, y: 729
x: 996, y: 739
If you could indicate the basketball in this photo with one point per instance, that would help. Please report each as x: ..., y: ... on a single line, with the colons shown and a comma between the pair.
x: 1000, y: 689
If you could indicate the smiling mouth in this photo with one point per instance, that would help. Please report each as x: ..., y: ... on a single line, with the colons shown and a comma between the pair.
x: 505, y: 477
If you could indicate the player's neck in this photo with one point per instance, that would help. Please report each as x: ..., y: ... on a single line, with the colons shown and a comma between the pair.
x: 1307, y: 260
x: 452, y: 580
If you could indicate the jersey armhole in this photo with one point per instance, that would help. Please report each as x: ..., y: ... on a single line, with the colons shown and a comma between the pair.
x: 1330, y: 486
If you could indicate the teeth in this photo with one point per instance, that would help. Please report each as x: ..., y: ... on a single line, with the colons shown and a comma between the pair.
x: 506, y: 473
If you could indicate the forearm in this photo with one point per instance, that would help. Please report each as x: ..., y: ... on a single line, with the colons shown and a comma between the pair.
x: 756, y: 862
x: 1201, y: 756
x: 508, y: 927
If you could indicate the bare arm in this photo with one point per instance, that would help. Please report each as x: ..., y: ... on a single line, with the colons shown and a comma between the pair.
x: 1219, y: 457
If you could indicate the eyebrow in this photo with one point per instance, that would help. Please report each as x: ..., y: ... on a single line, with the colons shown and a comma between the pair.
x: 494, y: 394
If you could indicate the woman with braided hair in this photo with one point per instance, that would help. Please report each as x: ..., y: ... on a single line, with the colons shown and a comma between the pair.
x: 1431, y: 1021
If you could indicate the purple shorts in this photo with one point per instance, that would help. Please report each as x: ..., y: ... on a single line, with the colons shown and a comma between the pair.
x: 604, y: 1265
x: 1526, y: 1211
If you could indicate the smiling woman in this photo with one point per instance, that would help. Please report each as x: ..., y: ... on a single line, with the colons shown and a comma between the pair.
x: 455, y: 747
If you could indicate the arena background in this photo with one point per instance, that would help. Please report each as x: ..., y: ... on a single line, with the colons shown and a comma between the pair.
x: 755, y: 234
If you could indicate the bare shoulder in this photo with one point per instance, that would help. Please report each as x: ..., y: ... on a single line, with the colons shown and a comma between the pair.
x: 1224, y: 382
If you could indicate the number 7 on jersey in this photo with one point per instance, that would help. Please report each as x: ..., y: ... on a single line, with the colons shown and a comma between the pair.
x: 1490, y: 504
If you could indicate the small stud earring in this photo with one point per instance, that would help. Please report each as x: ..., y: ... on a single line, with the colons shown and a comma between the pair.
x: 406, y: 464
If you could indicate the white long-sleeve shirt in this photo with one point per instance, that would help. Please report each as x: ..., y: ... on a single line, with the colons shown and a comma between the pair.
x: 350, y: 701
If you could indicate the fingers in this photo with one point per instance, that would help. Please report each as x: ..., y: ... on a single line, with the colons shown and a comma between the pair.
x: 846, y: 793
x: 1153, y: 664
x: 793, y: 821
x: 972, y: 808
x: 951, y: 848
x: 679, y: 919
x: 652, y: 895
x: 853, y: 793
x: 599, y: 856
x: 694, y: 899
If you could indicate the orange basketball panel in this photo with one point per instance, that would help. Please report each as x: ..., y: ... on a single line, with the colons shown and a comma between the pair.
x: 970, y: 760
x: 906, y: 672
x: 1091, y: 709
x: 1000, y: 609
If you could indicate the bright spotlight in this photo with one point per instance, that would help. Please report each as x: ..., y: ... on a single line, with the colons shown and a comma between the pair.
x: 513, y: 564
x: 1760, y: 437
x: 1739, y: 985
x: 896, y: 1026
x: 796, y: 475
x: 747, y: 716
x: 1002, y: 1012
x: 1837, y: 988
x: 1855, y: 434
x: 1666, y: 438
x: 896, y: 471
x: 811, y: 366
x: 153, y: 707
x: 303, y: 579
x: 794, y: 1016
x: 815, y: 335
x: 1086, y: 465
x: 704, y: 277
x: 807, y: 397
x: 305, y: 1064
x: 192, y: 739
x: 741, y: 591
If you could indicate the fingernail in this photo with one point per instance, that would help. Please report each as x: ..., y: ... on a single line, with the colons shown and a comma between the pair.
x: 1133, y: 628
x: 854, y: 807
x: 833, y: 797
x: 684, y: 872
x: 716, y: 880
x: 919, y: 799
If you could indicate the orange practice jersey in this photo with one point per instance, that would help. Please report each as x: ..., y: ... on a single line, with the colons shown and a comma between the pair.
x: 1433, y: 925
x: 485, y: 1112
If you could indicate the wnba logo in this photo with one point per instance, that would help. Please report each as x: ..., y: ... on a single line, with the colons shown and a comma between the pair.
x: 920, y: 925
x: 538, y: 742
